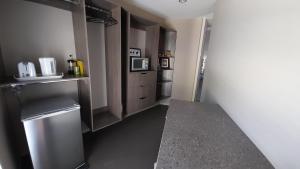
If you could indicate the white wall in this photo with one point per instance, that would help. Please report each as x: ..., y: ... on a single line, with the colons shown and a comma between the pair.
x: 186, y: 54
x: 253, y: 73
x: 96, y: 42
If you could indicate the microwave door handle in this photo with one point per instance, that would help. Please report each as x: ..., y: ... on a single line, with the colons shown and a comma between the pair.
x: 132, y: 65
x: 132, y: 68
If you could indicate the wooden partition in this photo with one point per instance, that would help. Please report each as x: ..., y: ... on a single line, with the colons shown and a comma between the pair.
x: 114, y: 64
x: 81, y: 44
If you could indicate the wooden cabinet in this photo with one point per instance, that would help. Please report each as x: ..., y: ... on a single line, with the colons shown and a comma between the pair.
x: 141, y: 91
x: 141, y: 86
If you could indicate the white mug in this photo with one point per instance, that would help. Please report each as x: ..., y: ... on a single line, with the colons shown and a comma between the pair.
x: 48, y: 66
x: 26, y: 69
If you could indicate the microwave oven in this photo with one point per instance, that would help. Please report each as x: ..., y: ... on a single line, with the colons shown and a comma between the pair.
x: 139, y: 64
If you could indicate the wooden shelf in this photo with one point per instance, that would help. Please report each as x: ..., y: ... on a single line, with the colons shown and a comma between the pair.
x: 104, y: 119
x: 10, y: 82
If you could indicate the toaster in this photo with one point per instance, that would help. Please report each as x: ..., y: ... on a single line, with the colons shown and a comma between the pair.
x: 26, y: 69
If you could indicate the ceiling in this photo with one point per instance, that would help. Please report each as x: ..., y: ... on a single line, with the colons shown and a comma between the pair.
x: 172, y: 9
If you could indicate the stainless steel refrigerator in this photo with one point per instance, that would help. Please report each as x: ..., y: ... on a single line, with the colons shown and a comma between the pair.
x: 53, y: 132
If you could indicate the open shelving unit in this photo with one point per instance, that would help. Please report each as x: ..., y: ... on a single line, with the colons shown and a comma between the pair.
x: 97, y: 34
x: 167, y: 42
x: 105, y: 50
x: 144, y: 34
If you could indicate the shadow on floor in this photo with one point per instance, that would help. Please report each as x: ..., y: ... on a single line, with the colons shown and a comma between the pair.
x: 130, y: 144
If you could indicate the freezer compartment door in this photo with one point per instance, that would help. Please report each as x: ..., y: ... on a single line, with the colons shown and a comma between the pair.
x: 55, y: 141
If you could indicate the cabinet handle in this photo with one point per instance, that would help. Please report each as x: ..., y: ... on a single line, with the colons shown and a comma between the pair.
x: 142, y: 98
x: 144, y: 73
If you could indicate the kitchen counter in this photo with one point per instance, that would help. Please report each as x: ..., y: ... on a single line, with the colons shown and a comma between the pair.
x: 203, y: 136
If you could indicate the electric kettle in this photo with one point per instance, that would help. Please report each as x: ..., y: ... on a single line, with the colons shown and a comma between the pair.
x: 48, y: 66
x: 26, y: 69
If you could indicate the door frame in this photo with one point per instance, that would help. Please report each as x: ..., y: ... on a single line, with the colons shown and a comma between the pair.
x: 199, y: 57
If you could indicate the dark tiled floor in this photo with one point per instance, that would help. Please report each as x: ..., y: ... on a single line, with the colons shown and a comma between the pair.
x: 130, y: 144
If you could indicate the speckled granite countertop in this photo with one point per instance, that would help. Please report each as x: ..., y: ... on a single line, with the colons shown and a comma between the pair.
x: 201, y: 136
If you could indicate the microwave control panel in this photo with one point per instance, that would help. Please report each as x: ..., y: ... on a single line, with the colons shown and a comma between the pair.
x: 135, y: 52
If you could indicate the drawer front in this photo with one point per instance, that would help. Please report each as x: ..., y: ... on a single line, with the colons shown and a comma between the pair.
x: 132, y: 106
x: 148, y: 96
x: 147, y: 78
x: 133, y: 99
x: 148, y: 91
x: 146, y: 102
x: 139, y: 104
x: 136, y: 79
x: 134, y: 93
x: 140, y: 92
x: 139, y: 98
